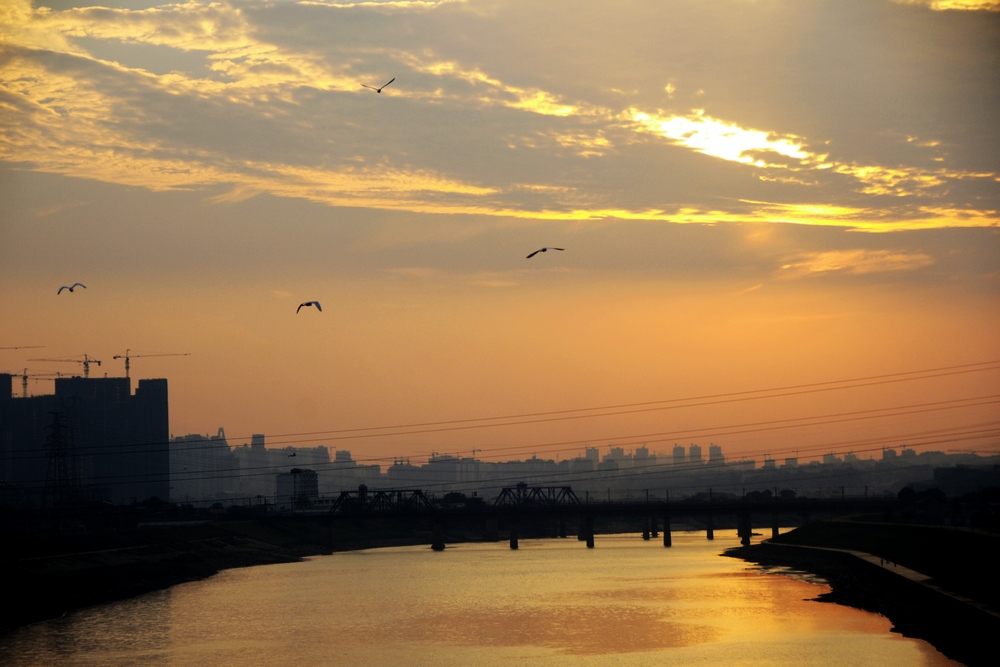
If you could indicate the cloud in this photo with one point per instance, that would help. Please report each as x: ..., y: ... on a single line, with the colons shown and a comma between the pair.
x: 854, y: 262
x: 728, y: 141
x: 718, y: 138
x: 754, y: 288
x: 944, y: 5
x: 281, y: 111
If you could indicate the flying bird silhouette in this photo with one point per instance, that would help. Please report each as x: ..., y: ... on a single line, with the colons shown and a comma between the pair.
x: 71, y: 288
x: 546, y: 249
x: 292, y: 454
x: 309, y: 303
x: 379, y: 90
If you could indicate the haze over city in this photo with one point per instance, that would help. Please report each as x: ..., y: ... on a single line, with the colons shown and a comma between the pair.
x: 750, y: 195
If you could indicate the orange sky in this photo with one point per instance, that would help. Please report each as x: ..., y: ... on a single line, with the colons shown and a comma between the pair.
x: 750, y: 195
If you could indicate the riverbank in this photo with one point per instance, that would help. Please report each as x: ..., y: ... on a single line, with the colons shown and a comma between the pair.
x: 56, y: 575
x: 960, y: 631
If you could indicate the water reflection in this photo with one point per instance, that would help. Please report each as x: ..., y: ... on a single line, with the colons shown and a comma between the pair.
x: 551, y: 602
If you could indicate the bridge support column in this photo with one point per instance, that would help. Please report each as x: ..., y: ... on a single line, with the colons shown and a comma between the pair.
x: 645, y: 529
x: 653, y: 529
x: 744, y: 529
x: 666, y: 530
x: 710, y: 528
x: 590, y: 532
x: 774, y: 526
x: 513, y: 537
x: 562, y: 526
x: 437, y: 536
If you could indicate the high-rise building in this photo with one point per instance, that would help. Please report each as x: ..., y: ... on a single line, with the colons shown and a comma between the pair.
x: 680, y: 456
x: 114, y: 444
x: 296, y: 489
x: 694, y: 454
x: 715, y: 454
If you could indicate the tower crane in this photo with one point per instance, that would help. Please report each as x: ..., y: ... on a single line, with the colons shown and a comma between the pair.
x: 86, y: 361
x: 126, y: 357
x: 24, y: 375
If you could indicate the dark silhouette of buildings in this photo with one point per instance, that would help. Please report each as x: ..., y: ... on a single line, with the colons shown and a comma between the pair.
x: 105, y: 442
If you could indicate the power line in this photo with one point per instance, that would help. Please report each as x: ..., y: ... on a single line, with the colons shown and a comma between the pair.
x: 662, y: 436
x: 716, y: 399
x: 664, y: 467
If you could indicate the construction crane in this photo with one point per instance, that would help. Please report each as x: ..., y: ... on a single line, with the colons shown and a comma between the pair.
x: 86, y: 361
x: 24, y: 375
x: 126, y: 357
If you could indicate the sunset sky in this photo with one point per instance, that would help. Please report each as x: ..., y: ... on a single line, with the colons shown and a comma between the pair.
x: 750, y: 194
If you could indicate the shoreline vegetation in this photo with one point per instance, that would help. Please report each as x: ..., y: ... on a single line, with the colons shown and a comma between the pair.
x: 960, y: 563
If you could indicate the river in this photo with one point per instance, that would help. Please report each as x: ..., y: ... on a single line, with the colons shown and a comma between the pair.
x: 553, y: 602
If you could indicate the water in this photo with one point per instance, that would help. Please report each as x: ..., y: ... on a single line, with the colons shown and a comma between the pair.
x: 553, y: 602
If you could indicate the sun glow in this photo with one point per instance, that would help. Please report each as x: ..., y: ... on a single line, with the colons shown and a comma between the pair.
x: 718, y: 138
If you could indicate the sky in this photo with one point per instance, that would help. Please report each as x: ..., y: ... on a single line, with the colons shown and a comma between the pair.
x: 751, y: 194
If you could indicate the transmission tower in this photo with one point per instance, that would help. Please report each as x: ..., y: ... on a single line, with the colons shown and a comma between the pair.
x: 60, y: 478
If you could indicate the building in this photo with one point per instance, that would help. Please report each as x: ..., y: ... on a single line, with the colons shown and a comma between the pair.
x: 715, y: 454
x: 680, y: 456
x: 203, y: 468
x: 296, y: 489
x: 694, y: 454
x: 105, y: 442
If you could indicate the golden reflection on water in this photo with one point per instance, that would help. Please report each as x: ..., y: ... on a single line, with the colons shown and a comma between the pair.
x: 626, y: 602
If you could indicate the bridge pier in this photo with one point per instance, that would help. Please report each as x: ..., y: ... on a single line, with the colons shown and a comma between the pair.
x: 645, y: 529
x: 562, y: 526
x: 513, y: 537
x: 774, y: 526
x: 437, y: 536
x: 492, y: 530
x: 710, y: 528
x: 589, y: 528
x: 744, y: 529
x: 653, y: 528
x: 666, y: 530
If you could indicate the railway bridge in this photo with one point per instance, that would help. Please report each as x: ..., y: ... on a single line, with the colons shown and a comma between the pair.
x: 521, y: 504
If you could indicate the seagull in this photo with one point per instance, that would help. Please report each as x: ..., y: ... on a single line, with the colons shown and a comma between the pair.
x: 379, y: 90
x: 71, y: 288
x: 309, y: 303
x: 292, y: 454
x: 542, y: 250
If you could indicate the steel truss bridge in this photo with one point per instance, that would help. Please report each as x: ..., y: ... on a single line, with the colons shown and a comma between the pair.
x: 523, y: 503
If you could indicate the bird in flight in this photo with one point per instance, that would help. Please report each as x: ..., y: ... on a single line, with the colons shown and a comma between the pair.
x: 379, y: 90
x: 292, y: 454
x: 71, y: 287
x: 309, y: 303
x: 546, y: 249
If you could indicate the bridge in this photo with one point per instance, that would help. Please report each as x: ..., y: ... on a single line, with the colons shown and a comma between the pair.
x: 522, y: 504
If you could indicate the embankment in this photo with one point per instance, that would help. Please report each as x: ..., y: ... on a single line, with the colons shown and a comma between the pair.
x: 48, y: 576
x: 961, y: 631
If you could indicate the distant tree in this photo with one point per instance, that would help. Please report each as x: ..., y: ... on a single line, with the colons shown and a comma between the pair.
x: 787, y: 493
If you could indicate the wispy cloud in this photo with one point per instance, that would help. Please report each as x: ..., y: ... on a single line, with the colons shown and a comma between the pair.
x: 854, y: 262
x: 944, y: 5
x: 718, y: 138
